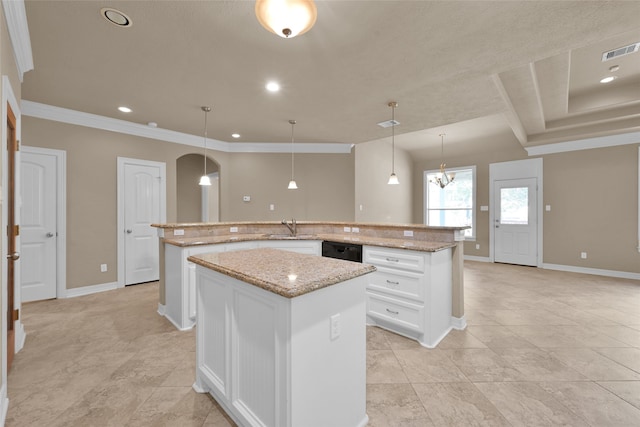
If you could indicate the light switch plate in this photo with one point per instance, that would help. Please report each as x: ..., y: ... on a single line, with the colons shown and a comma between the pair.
x: 355, y: 229
x: 347, y: 229
x: 335, y: 327
x: 484, y: 208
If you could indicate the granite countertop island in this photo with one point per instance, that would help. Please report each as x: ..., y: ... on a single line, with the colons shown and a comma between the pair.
x: 287, y: 274
x: 274, y: 324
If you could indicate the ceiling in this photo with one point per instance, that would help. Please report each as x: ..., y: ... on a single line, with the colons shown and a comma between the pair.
x: 526, y: 72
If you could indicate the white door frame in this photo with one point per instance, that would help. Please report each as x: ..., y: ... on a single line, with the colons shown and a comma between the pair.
x: 528, y: 168
x: 122, y: 162
x: 61, y: 212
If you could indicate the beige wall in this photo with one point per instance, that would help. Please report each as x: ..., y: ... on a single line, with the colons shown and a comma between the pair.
x: 189, y: 169
x: 588, y: 214
x: 325, y: 187
x: 325, y: 181
x: 380, y: 201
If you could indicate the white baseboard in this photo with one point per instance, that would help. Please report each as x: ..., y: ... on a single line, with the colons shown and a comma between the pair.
x: 477, y: 258
x: 4, y: 403
x: 594, y: 271
x: 21, y: 337
x: 88, y: 290
x: 162, y: 309
x: 459, y: 323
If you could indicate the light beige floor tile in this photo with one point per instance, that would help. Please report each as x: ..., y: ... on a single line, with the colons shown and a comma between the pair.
x: 458, y: 404
x: 428, y: 366
x: 629, y: 391
x: 395, y: 405
x: 618, y: 316
x: 624, y: 334
x: 383, y: 367
x: 517, y: 317
x: 398, y: 342
x: 460, y: 339
x: 594, y: 365
x: 498, y: 336
x: 178, y: 405
x: 183, y: 375
x: 476, y: 317
x: 483, y: 365
x: 538, y: 365
x: 550, y: 336
x: 377, y: 339
x: 594, y: 403
x: 628, y: 357
x: 218, y: 418
x: 527, y: 404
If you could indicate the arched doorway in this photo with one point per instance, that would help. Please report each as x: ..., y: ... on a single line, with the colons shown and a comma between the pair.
x: 196, y: 203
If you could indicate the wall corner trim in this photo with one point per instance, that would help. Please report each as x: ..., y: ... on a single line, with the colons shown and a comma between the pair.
x: 16, y: 17
x: 79, y: 118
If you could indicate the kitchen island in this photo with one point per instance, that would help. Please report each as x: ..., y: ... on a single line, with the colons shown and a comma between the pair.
x: 281, y: 339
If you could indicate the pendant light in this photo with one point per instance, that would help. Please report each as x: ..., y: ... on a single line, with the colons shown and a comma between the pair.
x: 393, y: 179
x: 444, y: 179
x: 286, y: 18
x: 292, y: 183
x: 204, y: 179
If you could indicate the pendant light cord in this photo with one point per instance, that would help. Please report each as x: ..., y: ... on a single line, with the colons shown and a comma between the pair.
x: 393, y: 139
x: 206, y: 113
x: 293, y: 123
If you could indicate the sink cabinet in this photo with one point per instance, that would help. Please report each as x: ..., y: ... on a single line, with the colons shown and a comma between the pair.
x: 410, y: 293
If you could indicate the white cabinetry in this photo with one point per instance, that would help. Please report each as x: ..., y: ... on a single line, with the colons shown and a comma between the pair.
x: 410, y: 293
x: 180, y: 282
x: 271, y: 361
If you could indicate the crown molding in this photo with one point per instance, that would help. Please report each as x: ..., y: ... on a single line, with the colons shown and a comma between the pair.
x: 16, y: 17
x: 585, y: 144
x: 79, y: 118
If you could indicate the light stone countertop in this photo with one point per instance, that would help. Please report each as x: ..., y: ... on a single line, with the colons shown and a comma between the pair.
x: 288, y: 274
x: 416, y: 245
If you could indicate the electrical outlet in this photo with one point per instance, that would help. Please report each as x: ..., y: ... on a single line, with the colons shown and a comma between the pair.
x: 246, y: 198
x: 335, y: 326
x: 583, y: 255
x: 347, y: 229
x: 178, y: 232
x: 408, y: 233
x: 272, y: 207
x: 103, y: 268
x: 355, y: 229
x: 233, y: 229
x: 477, y: 245
x: 361, y: 208
x: 548, y: 208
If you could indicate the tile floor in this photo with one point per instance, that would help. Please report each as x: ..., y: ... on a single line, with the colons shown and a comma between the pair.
x: 542, y: 348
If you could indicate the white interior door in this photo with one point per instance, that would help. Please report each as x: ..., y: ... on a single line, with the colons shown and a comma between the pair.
x: 515, y: 221
x: 142, y: 207
x: 38, y: 226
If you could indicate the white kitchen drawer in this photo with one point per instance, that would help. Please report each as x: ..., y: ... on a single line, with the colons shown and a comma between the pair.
x: 404, y: 284
x: 402, y: 313
x: 394, y: 258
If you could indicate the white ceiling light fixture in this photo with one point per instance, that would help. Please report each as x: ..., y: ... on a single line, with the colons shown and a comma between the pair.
x: 443, y: 179
x: 272, y: 86
x: 116, y: 17
x: 608, y: 79
x: 125, y: 109
x: 292, y: 183
x: 286, y: 18
x: 204, y: 179
x: 393, y: 178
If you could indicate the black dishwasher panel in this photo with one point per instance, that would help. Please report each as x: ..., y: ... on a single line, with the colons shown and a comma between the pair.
x: 346, y: 251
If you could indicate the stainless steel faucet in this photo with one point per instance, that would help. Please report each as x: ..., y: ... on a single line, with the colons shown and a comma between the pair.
x: 292, y: 228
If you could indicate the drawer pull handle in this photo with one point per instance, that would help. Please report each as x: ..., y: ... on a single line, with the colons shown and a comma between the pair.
x: 393, y: 259
x: 393, y: 312
x: 392, y: 283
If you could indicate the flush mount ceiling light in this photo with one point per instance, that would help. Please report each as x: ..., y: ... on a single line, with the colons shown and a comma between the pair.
x: 292, y: 183
x: 393, y: 178
x: 443, y: 179
x: 235, y: 135
x: 286, y: 18
x: 204, y: 179
x: 608, y: 79
x: 116, y: 17
x: 125, y: 109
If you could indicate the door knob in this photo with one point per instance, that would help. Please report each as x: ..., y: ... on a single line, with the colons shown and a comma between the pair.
x: 50, y: 234
x: 14, y: 256
x: 129, y: 231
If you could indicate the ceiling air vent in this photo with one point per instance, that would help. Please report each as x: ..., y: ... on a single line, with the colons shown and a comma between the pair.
x: 621, y: 51
x: 389, y: 123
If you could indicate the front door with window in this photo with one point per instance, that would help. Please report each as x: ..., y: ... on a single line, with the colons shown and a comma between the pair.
x: 515, y: 221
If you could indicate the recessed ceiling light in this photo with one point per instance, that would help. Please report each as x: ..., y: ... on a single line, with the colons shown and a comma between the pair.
x: 273, y: 87
x: 608, y: 79
x: 125, y: 109
x: 116, y: 17
x: 235, y: 135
